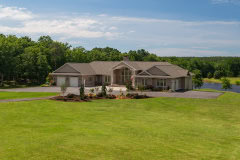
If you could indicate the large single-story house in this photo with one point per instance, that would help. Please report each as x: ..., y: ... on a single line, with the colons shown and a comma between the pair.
x: 156, y: 74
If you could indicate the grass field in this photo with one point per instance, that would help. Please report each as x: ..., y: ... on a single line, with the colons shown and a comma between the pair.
x: 21, y: 95
x: 149, y: 129
x: 212, y: 80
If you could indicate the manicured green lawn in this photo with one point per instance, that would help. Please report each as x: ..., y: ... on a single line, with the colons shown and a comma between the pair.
x: 158, y: 128
x: 212, y: 80
x: 21, y: 95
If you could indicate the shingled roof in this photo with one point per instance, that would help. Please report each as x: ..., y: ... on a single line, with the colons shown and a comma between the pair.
x: 173, y: 70
x: 104, y: 67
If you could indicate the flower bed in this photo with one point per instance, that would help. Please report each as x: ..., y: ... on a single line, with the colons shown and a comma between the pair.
x: 99, y: 96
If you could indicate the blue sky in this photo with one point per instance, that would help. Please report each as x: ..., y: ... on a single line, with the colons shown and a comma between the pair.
x: 163, y: 27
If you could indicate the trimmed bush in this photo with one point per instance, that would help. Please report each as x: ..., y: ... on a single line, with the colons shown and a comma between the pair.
x: 70, y: 95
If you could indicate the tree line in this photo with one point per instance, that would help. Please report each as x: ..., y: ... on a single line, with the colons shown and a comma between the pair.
x: 25, y: 60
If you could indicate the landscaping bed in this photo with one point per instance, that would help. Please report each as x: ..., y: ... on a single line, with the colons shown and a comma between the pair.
x: 90, y: 97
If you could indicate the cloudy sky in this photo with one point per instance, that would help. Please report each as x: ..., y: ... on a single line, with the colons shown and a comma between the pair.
x: 163, y: 27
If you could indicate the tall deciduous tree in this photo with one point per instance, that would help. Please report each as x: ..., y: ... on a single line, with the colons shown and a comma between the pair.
x: 197, y: 79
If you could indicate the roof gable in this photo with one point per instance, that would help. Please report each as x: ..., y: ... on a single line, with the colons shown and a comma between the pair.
x: 66, y: 68
x: 145, y: 73
x: 157, y: 71
x: 123, y: 64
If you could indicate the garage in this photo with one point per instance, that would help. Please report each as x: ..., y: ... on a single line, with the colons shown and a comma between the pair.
x: 61, y: 81
x: 73, y: 81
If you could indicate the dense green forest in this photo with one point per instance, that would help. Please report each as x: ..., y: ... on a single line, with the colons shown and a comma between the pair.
x: 24, y: 60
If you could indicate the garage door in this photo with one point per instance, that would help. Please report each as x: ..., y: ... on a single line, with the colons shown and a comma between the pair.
x: 61, y: 81
x: 73, y: 81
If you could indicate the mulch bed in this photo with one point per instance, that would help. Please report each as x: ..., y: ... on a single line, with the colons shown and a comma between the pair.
x: 76, y: 98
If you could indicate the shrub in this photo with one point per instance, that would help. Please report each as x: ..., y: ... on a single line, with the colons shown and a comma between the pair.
x: 141, y: 88
x: 96, y: 89
x: 45, y: 85
x: 111, y: 96
x: 226, y: 83
x: 92, y: 90
x: 159, y: 89
x: 70, y: 95
x: 104, y: 90
x: 210, y: 75
x: 150, y: 87
x: 90, y: 95
x: 82, y: 92
x: 99, y: 94
x: 110, y: 90
x: 238, y: 83
x: 121, y: 95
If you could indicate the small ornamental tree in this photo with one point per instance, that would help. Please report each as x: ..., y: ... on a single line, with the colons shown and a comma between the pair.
x: 226, y: 83
x: 104, y: 90
x: 197, y: 79
x: 63, y: 89
x: 210, y: 75
x: 129, y: 85
x: 82, y: 93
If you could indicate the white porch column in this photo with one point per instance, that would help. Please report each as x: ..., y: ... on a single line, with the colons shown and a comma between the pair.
x: 112, y: 77
x: 134, y: 73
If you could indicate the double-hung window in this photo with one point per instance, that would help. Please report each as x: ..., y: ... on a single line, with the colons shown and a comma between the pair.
x: 144, y: 82
x: 161, y: 83
x: 107, y: 79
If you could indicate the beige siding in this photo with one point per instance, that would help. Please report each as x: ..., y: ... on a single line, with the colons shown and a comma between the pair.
x: 87, y: 81
x: 188, y: 83
x: 156, y: 71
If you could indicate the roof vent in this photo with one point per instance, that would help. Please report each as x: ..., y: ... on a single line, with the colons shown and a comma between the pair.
x: 125, y: 59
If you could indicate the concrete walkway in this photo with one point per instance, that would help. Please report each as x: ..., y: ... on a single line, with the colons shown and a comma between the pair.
x: 116, y: 91
x: 24, y: 99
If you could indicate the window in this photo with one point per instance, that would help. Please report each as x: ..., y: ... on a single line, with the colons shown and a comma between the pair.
x: 144, y: 82
x: 161, y: 82
x: 107, y: 79
x: 126, y: 75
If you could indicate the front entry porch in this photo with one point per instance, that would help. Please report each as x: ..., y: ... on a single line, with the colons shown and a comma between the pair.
x: 121, y: 76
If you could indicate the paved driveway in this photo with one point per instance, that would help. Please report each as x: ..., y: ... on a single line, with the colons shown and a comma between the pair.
x: 187, y: 94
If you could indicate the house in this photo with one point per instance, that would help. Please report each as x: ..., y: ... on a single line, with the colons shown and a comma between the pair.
x: 156, y: 74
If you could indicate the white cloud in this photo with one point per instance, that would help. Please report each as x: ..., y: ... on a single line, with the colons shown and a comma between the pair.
x: 14, y: 13
x: 113, y: 28
x: 189, y: 52
x: 173, y: 37
x: 225, y: 1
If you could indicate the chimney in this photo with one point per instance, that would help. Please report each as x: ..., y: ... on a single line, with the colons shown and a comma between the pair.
x: 125, y: 59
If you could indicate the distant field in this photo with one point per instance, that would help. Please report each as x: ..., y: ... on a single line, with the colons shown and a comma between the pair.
x: 148, y: 129
x: 212, y: 80
x: 21, y: 95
